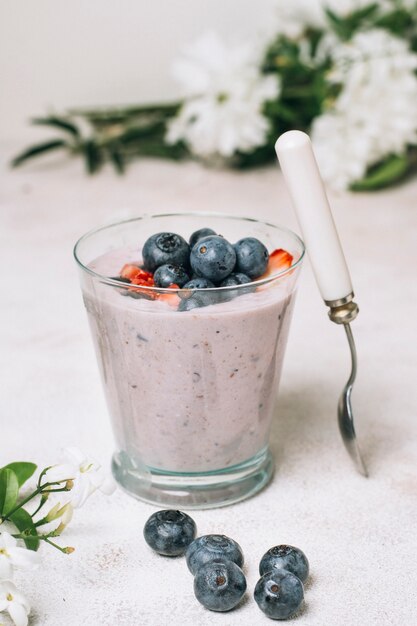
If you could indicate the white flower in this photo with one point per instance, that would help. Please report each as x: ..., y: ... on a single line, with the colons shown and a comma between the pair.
x: 14, y: 602
x: 86, y: 474
x: 375, y: 114
x: 225, y: 94
x: 295, y: 16
x: 12, y: 556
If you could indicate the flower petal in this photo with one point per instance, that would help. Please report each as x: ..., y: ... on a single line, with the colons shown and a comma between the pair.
x: 108, y: 486
x: 24, y: 559
x: 18, y: 614
x: 81, y: 491
x: 5, y: 567
x: 62, y: 472
x: 74, y: 455
x: 7, y: 540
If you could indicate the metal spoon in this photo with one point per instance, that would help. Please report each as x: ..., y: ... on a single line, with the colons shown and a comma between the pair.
x: 344, y: 410
x: 304, y: 183
x: 344, y: 312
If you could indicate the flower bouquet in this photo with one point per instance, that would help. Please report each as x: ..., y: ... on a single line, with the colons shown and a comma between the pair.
x: 343, y: 71
x: 32, y: 516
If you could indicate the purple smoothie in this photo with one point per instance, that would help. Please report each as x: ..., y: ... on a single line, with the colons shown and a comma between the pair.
x: 188, y: 391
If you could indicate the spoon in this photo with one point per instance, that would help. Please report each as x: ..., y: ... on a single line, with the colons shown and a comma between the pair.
x: 308, y: 195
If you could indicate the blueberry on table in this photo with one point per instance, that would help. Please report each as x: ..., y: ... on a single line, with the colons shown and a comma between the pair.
x: 199, y: 234
x: 219, y: 585
x: 169, y: 532
x: 285, y: 557
x: 213, y: 257
x: 211, y: 547
x: 251, y: 257
x: 163, y: 248
x: 279, y: 594
x: 169, y: 274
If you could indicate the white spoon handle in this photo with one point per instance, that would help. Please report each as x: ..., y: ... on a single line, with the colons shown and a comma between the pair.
x: 305, y: 186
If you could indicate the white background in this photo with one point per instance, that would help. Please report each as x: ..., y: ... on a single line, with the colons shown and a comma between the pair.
x: 60, y: 53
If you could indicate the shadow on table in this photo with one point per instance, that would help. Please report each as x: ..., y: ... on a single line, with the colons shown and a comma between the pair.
x: 305, y: 427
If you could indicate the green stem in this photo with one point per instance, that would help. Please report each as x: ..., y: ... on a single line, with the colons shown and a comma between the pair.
x: 47, y: 540
x: 42, y: 502
x: 32, y: 495
x: 111, y: 112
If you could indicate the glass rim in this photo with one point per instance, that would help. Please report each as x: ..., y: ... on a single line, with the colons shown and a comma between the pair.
x: 120, y: 283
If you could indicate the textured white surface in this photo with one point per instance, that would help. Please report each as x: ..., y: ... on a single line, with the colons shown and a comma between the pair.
x: 360, y: 535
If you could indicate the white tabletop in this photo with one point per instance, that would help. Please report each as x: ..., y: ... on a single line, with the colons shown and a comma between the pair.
x: 359, y: 535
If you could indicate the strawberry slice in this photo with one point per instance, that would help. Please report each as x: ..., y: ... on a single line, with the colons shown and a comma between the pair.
x: 172, y: 299
x: 133, y: 272
x: 279, y: 260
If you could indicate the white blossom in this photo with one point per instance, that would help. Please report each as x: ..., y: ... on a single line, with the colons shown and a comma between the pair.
x: 375, y: 114
x: 13, y: 556
x: 225, y: 93
x: 86, y: 474
x: 295, y: 16
x: 14, y: 602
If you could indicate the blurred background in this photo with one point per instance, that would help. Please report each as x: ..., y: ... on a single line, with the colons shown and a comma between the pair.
x: 56, y: 54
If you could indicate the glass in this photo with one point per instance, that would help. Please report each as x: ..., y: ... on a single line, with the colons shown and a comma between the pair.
x: 190, y: 393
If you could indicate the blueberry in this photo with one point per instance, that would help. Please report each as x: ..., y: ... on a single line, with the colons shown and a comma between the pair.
x: 251, y: 257
x: 213, y: 257
x: 279, y: 594
x: 235, y: 279
x: 169, y: 274
x: 169, y: 532
x: 219, y: 585
x: 198, y: 298
x: 210, y: 547
x: 199, y: 234
x: 195, y: 301
x: 164, y: 248
x: 285, y: 557
x: 199, y: 283
x: 231, y: 281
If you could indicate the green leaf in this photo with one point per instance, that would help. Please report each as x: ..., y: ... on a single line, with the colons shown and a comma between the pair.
x: 9, y: 490
x: 93, y: 156
x: 345, y: 25
x: 24, y: 523
x: 57, y: 122
x: 384, y: 174
x: 40, y: 148
x: 116, y: 158
x: 23, y: 470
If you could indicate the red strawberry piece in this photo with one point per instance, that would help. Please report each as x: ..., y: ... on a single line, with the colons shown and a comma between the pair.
x: 171, y: 298
x: 279, y: 260
x: 133, y: 272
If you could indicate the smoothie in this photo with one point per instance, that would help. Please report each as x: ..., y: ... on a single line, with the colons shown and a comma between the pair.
x: 191, y: 391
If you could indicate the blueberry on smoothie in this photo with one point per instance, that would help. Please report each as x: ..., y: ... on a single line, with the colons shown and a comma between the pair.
x: 233, y: 280
x: 199, y: 234
x: 251, y: 257
x: 213, y: 257
x: 196, y: 283
x: 169, y: 532
x: 285, y: 557
x: 219, y: 585
x: 195, y: 301
x: 169, y: 274
x: 163, y: 248
x: 279, y: 594
x: 210, y: 547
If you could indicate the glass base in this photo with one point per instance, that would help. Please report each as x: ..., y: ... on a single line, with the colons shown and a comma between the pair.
x: 192, y: 490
